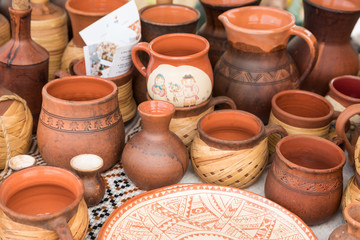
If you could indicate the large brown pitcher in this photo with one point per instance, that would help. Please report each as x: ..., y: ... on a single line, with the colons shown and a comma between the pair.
x: 332, y: 23
x: 256, y: 64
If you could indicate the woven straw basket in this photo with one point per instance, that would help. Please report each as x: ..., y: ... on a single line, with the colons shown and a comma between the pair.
x: 4, y: 30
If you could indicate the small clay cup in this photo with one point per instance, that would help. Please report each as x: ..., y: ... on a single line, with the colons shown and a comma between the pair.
x: 351, y: 229
x: 20, y: 162
x: 42, y: 196
x: 87, y: 167
x: 306, y: 177
x: 231, y: 147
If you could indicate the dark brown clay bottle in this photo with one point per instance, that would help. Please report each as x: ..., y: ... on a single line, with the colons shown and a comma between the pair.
x: 350, y: 230
x: 23, y: 63
x: 155, y: 157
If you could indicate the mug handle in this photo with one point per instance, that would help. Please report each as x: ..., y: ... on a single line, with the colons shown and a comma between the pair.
x: 143, y: 46
x: 61, y: 227
x: 61, y: 73
x: 313, y: 47
x: 274, y: 128
x: 340, y: 129
x: 222, y: 100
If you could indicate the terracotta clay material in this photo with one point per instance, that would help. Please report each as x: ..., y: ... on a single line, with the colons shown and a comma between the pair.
x: 256, y: 64
x: 332, y: 23
x: 24, y: 64
x: 42, y: 196
x: 179, y: 70
x: 155, y: 157
x: 345, y: 90
x: 305, y: 174
x: 83, y: 13
x: 213, y: 30
x: 351, y: 229
x: 80, y: 114
x: 87, y: 168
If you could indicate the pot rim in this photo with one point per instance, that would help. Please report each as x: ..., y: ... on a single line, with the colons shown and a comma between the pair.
x: 96, y: 101
x: 310, y: 2
x: 86, y: 170
x: 292, y: 165
x: 170, y: 5
x: 230, y: 6
x: 256, y: 9
x: 341, y: 95
x: 350, y: 220
x: 85, y: 13
x: 38, y: 219
x: 304, y: 121
x: 169, y: 106
x: 175, y: 58
x: 231, y: 144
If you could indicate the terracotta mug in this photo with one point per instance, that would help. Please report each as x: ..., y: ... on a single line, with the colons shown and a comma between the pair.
x: 80, y: 114
x: 306, y: 177
x: 301, y: 112
x: 231, y: 148
x: 42, y: 196
x: 179, y: 70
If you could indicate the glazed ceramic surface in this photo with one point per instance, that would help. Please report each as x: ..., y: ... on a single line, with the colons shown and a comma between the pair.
x: 332, y: 23
x: 80, y: 114
x: 256, y: 64
x: 179, y: 70
x: 306, y: 177
x: 351, y: 229
x: 213, y: 30
x: 201, y: 211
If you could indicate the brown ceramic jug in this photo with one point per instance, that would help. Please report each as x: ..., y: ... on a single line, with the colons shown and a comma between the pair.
x: 155, y: 157
x: 351, y: 229
x: 332, y: 23
x: 306, y: 177
x: 256, y: 64
x: 43, y: 196
x: 80, y: 114
x: 24, y: 64
x: 213, y: 30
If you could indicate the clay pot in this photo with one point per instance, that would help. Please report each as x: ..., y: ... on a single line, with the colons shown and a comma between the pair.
x: 23, y: 63
x: 306, y: 177
x: 155, y: 157
x: 301, y: 112
x: 179, y: 70
x: 43, y: 196
x: 80, y: 114
x: 87, y: 168
x: 231, y: 148
x: 332, y: 23
x: 351, y: 229
x: 213, y: 30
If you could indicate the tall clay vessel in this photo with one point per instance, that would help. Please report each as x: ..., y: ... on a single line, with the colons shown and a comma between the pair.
x: 155, y: 157
x: 23, y: 63
x: 332, y: 23
x: 256, y: 64
x: 213, y: 30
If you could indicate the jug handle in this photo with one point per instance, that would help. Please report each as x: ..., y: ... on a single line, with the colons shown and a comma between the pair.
x: 340, y: 129
x: 222, y: 100
x: 61, y: 73
x: 272, y: 129
x: 61, y: 227
x: 313, y: 47
x: 143, y: 46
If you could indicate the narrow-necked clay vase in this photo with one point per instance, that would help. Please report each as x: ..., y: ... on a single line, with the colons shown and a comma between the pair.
x: 343, y: 92
x: 179, y: 70
x: 306, y: 177
x: 351, y: 229
x: 155, y: 157
x: 231, y: 148
x: 213, y: 30
x: 87, y: 167
x: 301, y: 112
x: 256, y: 64
x: 80, y: 114
x: 42, y: 196
x: 332, y: 23
x: 24, y: 64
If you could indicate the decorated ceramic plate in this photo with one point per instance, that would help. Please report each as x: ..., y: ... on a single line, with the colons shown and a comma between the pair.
x: 202, y: 211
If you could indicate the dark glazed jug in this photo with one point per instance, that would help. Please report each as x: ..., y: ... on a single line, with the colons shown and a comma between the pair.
x: 23, y: 63
x: 256, y: 64
x: 213, y: 30
x: 332, y: 23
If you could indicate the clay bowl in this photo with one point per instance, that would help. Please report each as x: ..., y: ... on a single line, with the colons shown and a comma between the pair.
x: 345, y: 90
x: 42, y: 196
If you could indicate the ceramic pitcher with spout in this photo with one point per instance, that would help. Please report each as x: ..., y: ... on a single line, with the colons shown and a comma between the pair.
x: 256, y: 64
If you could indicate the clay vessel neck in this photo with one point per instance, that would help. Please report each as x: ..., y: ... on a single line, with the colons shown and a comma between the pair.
x: 20, y: 23
x: 246, y: 29
x: 342, y: 22
x: 352, y: 217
